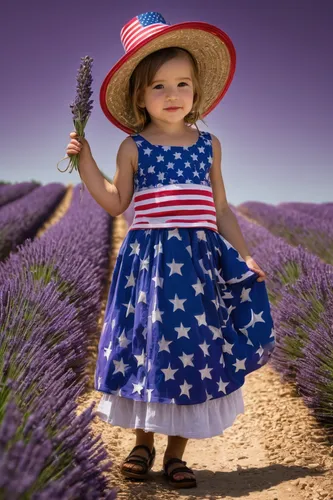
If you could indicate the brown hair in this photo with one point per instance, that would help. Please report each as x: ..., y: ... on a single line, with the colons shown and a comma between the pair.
x: 143, y: 75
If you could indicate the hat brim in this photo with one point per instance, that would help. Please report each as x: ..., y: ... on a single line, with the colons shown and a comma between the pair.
x: 210, y: 46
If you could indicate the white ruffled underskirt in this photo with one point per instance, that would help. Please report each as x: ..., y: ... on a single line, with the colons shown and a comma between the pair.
x: 189, y: 421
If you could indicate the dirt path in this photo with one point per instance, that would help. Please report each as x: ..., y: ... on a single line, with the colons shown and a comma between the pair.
x: 274, y: 451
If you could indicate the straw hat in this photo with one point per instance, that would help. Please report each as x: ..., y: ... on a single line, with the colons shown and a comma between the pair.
x: 148, y: 32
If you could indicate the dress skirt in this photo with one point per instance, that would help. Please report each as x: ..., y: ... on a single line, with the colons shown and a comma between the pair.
x: 189, y: 421
x: 186, y: 320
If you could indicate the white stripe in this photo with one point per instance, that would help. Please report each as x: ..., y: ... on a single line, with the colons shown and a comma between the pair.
x: 173, y: 209
x: 174, y: 224
x: 175, y: 187
x: 176, y: 198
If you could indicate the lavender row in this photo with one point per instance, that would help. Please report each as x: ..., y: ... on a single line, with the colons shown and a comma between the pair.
x: 316, y: 235
x: 12, y: 192
x: 22, y: 218
x: 318, y: 210
x: 300, y: 289
x: 49, y: 305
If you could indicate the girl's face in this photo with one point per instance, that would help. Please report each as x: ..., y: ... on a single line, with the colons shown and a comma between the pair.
x: 172, y: 86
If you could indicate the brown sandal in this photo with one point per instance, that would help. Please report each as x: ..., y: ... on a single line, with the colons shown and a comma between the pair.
x: 145, y: 463
x: 185, y: 482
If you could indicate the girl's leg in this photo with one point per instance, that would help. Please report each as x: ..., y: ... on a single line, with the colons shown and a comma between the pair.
x: 142, y: 437
x: 175, y: 449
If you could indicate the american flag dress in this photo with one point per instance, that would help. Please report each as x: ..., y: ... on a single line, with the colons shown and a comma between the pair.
x: 186, y: 319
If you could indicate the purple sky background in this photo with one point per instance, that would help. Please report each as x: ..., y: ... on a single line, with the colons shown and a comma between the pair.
x: 275, y: 123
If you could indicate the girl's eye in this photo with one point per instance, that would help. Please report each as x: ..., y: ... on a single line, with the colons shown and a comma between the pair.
x: 162, y: 84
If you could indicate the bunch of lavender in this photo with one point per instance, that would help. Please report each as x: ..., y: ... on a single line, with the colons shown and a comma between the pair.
x: 81, y: 108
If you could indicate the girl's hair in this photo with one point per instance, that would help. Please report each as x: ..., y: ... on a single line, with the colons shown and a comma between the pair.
x: 143, y: 75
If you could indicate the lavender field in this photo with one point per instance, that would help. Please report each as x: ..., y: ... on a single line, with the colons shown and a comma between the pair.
x: 50, y: 304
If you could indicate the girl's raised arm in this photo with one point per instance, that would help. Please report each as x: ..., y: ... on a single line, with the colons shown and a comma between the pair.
x: 114, y: 197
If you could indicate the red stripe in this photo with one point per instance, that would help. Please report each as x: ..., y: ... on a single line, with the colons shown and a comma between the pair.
x: 173, y: 192
x: 172, y: 203
x: 177, y: 212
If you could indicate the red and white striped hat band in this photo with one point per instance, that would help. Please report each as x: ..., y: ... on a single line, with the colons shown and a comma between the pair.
x: 175, y: 205
x: 146, y: 33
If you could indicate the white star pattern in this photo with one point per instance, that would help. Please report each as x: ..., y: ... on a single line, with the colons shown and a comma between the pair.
x: 170, y: 332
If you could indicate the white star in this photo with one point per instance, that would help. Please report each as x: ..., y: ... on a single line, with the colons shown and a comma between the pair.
x: 178, y: 156
x: 218, y: 251
x: 174, y: 233
x: 179, y: 172
x: 130, y: 308
x: 209, y: 272
x: 201, y: 318
x: 182, y: 331
x: 142, y: 297
x: 194, y: 156
x: 137, y: 388
x: 185, y: 389
x: 169, y: 373
x: 147, y: 151
x: 160, y: 158
x: 158, y: 281
x: 158, y: 248
x: 260, y: 351
x: 227, y: 347
x: 245, y: 295
x: 164, y: 344
x: 217, y: 334
x: 198, y: 287
x: 186, y: 359
x: 135, y: 248
x: 170, y: 165
x: 216, y: 303
x: 178, y: 303
x: 175, y: 268
x: 255, y: 318
x: 157, y: 315
x: 130, y: 280
x: 204, y: 348
x: 196, y: 173
x: 240, y: 364
x: 140, y: 358
x: 201, y: 235
x: 119, y: 366
x: 161, y: 176
x: 205, y: 372
x: 123, y: 340
x: 222, y: 385
x: 107, y: 350
x: 189, y: 249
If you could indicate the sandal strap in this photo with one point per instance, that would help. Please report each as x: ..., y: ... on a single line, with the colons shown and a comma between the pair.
x: 172, y: 461
x: 142, y: 447
x: 137, y: 458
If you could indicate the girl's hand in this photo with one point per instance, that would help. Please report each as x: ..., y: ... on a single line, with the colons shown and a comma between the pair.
x: 76, y: 145
x: 251, y: 263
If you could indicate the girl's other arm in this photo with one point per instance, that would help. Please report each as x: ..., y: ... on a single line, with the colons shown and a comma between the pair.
x: 114, y: 197
x: 226, y: 220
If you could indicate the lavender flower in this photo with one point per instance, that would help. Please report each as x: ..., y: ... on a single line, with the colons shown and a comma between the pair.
x: 81, y: 107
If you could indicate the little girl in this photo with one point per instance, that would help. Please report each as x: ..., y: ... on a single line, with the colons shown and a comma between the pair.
x: 188, y: 315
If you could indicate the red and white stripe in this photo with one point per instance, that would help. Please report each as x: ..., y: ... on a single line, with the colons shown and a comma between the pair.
x: 175, y: 205
x: 133, y: 32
